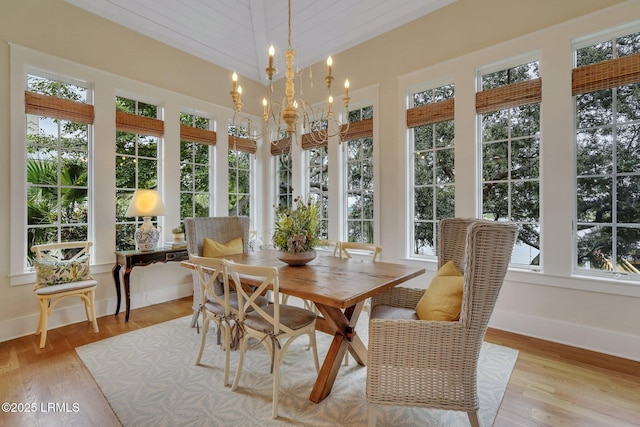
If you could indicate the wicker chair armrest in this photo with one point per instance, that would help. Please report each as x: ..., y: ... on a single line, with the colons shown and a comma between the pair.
x: 398, y: 297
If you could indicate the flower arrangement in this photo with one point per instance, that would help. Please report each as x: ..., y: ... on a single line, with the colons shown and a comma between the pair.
x: 296, y: 230
x: 178, y: 230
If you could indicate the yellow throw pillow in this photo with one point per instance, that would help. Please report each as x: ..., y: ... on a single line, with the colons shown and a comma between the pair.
x: 213, y: 249
x: 443, y: 299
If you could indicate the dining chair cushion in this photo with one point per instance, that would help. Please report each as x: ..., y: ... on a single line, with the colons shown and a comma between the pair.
x: 393, y: 313
x: 290, y: 316
x: 65, y: 287
x: 214, y: 249
x: 442, y: 301
x: 214, y: 307
x: 50, y: 272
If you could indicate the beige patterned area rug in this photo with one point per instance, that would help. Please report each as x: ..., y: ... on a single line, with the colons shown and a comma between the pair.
x: 150, y: 379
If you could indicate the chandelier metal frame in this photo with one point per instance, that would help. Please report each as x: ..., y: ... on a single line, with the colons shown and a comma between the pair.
x: 281, y: 120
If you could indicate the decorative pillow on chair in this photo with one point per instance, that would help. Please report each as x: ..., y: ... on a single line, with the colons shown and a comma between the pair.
x: 443, y: 299
x: 213, y: 249
x: 49, y: 273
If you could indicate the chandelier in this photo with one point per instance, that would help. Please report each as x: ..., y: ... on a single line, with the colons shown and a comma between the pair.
x: 282, y: 120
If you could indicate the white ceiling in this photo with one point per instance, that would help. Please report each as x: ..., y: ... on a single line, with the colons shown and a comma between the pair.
x: 236, y: 34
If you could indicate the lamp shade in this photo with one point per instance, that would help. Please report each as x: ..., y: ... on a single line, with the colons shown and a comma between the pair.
x: 146, y: 203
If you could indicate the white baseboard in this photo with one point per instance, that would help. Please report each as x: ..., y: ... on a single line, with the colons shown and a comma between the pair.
x: 61, y: 316
x: 601, y: 340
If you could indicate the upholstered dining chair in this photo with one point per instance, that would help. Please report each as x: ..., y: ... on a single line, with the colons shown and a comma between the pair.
x: 221, y: 229
x: 276, y: 326
x: 215, y: 307
x: 62, y: 271
x: 431, y: 363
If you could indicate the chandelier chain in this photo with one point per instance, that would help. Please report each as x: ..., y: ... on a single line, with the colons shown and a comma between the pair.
x: 289, y: 25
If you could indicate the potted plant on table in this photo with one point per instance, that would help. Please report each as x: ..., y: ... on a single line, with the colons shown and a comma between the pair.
x: 178, y: 234
x: 296, y: 232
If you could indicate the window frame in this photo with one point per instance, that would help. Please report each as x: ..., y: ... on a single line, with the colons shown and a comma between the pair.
x: 278, y: 195
x: 210, y: 166
x: 512, y: 62
x: 88, y: 86
x: 233, y: 130
x: 614, y: 175
x: 411, y: 181
x: 321, y: 195
x: 345, y: 169
x: 137, y: 221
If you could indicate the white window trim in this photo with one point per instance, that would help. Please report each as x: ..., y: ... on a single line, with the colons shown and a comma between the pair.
x: 410, y: 176
x: 620, y: 282
x: 344, y: 230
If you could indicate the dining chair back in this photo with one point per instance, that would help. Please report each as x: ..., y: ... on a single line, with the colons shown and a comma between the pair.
x: 347, y: 249
x: 276, y: 326
x: 215, y: 307
x: 330, y: 245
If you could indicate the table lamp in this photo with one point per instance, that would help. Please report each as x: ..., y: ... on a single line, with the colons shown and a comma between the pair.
x: 146, y: 203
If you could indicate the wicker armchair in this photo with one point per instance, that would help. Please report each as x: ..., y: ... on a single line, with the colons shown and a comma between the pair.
x: 434, y: 364
x: 221, y: 229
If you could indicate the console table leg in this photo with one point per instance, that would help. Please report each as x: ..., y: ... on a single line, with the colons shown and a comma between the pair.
x: 127, y: 293
x: 116, y: 280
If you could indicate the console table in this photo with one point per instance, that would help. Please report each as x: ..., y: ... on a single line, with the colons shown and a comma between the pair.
x: 130, y: 259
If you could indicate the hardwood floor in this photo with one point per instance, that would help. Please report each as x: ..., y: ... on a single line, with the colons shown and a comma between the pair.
x: 551, y: 385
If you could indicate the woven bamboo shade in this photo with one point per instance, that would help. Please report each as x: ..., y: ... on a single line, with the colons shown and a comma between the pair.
x: 133, y: 123
x: 242, y: 144
x: 430, y: 113
x: 513, y: 95
x: 360, y: 129
x: 281, y: 146
x: 58, y: 108
x: 607, y: 74
x: 309, y: 141
x: 193, y: 134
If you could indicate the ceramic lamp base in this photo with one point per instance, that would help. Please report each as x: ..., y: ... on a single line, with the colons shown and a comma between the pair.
x: 147, y: 235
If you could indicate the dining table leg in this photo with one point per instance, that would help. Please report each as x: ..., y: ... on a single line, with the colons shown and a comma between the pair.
x: 342, y: 324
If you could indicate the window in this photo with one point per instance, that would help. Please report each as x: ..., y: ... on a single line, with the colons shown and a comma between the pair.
x: 281, y: 151
x: 138, y: 134
x: 240, y: 171
x: 284, y: 190
x: 607, y: 91
x: 195, y: 165
x: 58, y: 161
x: 432, y: 165
x: 359, y: 178
x: 319, y: 184
x: 315, y: 143
x: 509, y: 108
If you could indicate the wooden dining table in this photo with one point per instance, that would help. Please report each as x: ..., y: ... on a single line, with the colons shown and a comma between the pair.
x: 338, y: 287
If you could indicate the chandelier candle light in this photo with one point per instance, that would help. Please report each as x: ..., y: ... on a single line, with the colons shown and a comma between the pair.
x: 285, y: 117
x: 146, y: 203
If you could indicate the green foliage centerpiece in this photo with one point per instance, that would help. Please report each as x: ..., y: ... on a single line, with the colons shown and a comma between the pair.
x: 296, y: 232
